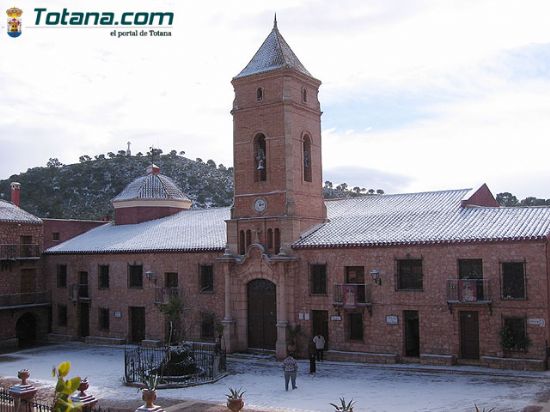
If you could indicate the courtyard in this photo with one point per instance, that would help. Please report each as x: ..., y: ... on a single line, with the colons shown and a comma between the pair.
x: 374, y: 387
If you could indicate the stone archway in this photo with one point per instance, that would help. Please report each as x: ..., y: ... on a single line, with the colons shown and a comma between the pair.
x: 262, y: 314
x: 25, y: 330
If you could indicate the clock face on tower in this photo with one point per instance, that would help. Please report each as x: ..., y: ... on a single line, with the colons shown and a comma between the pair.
x: 260, y: 205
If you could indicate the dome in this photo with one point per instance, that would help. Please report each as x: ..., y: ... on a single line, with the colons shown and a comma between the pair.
x: 149, y: 197
x: 153, y: 186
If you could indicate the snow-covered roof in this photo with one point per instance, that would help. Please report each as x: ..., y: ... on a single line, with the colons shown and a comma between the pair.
x: 13, y: 214
x: 274, y: 53
x: 420, y: 218
x: 186, y: 231
x: 153, y: 186
x: 378, y: 220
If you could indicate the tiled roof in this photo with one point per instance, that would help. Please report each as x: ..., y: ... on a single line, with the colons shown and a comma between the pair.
x: 13, y: 214
x: 151, y: 187
x: 420, y: 218
x: 274, y: 53
x: 189, y: 230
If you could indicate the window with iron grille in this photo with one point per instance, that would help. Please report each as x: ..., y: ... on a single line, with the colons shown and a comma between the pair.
x: 355, y: 326
x: 103, y: 318
x: 170, y: 280
x: 135, y: 276
x: 318, y: 279
x: 207, y: 326
x: 514, y: 334
x: 206, y: 278
x: 103, y: 277
x: 470, y: 269
x: 55, y: 236
x: 61, y: 276
x: 61, y: 315
x: 409, y: 274
x: 513, y: 280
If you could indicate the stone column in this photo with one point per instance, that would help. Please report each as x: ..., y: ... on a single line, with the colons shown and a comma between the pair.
x: 228, y: 322
x: 23, y: 393
x: 282, y: 316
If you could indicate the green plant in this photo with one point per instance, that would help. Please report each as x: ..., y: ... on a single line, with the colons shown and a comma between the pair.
x: 483, y: 410
x: 344, y: 407
x: 150, y: 382
x: 64, y: 388
x: 235, y: 393
x: 511, y: 341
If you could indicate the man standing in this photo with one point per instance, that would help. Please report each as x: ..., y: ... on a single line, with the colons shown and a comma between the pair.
x: 319, y: 342
x: 290, y: 368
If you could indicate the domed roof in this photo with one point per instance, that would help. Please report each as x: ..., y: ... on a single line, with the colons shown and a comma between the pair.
x: 153, y: 186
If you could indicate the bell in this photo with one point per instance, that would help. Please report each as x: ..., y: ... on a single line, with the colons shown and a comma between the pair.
x: 261, y: 165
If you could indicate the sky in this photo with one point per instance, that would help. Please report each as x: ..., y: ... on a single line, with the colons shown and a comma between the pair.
x: 417, y: 95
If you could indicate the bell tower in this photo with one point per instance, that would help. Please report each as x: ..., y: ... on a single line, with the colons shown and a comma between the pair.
x: 277, y: 150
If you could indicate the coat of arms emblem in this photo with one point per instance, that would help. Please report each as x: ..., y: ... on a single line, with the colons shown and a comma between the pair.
x: 14, y: 21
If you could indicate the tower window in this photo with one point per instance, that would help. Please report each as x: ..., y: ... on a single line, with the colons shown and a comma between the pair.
x: 248, y: 238
x: 307, y: 158
x: 277, y: 241
x: 242, y: 247
x: 304, y: 95
x: 259, y: 94
x: 269, y: 239
x: 260, y: 157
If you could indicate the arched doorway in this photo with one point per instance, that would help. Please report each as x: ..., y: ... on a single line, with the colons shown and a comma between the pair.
x: 25, y: 330
x: 262, y: 314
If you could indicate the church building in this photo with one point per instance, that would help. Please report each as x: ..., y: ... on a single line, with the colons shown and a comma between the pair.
x: 439, y: 277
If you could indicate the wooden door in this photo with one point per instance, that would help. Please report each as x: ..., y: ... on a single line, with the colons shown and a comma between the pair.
x: 469, y: 335
x: 137, y: 324
x: 262, y: 314
x: 412, y: 333
x: 84, y: 319
x: 320, y: 324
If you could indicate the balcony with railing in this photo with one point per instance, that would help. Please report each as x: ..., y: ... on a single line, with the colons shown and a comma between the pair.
x: 468, y: 292
x: 16, y: 300
x: 352, y: 295
x: 164, y: 295
x: 19, y: 251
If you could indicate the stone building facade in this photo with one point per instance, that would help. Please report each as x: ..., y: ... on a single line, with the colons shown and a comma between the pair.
x: 436, y: 277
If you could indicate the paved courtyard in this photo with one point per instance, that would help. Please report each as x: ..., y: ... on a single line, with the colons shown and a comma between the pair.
x: 375, y: 388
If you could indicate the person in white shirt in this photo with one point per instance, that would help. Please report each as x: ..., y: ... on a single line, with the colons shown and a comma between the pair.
x: 319, y: 342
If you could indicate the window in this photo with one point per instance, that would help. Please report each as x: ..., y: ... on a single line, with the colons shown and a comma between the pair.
x: 55, y: 236
x: 513, y: 280
x: 470, y: 269
x: 277, y: 236
x: 355, y: 275
x: 170, y: 280
x: 27, y: 247
x: 248, y: 238
x: 514, y: 334
x: 409, y: 274
x: 242, y: 247
x: 206, y: 278
x: 61, y: 315
x: 207, y: 326
x: 318, y: 279
x: 83, y: 285
x: 103, y: 276
x: 270, y: 239
x: 304, y: 95
x: 307, y: 158
x: 260, y: 159
x: 103, y: 318
x: 135, y: 276
x: 259, y: 94
x: 61, y: 276
x: 355, y: 326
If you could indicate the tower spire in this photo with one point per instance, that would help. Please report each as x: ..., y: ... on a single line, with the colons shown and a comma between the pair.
x: 275, y: 21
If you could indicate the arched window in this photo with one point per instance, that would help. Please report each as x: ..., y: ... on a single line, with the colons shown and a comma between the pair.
x: 259, y: 94
x: 307, y: 158
x: 260, y: 159
x: 242, y: 248
x: 277, y: 241
x: 248, y: 238
x: 304, y: 95
x: 269, y: 239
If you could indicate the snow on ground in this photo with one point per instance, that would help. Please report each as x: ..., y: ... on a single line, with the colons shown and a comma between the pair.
x: 375, y: 388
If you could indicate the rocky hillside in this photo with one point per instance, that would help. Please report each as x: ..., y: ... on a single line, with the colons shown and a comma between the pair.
x: 84, y: 190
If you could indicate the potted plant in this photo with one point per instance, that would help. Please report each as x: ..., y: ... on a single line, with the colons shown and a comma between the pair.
x: 235, y: 399
x: 344, y: 406
x: 64, y: 388
x: 149, y: 390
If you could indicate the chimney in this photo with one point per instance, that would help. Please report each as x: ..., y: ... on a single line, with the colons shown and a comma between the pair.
x: 15, y: 193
